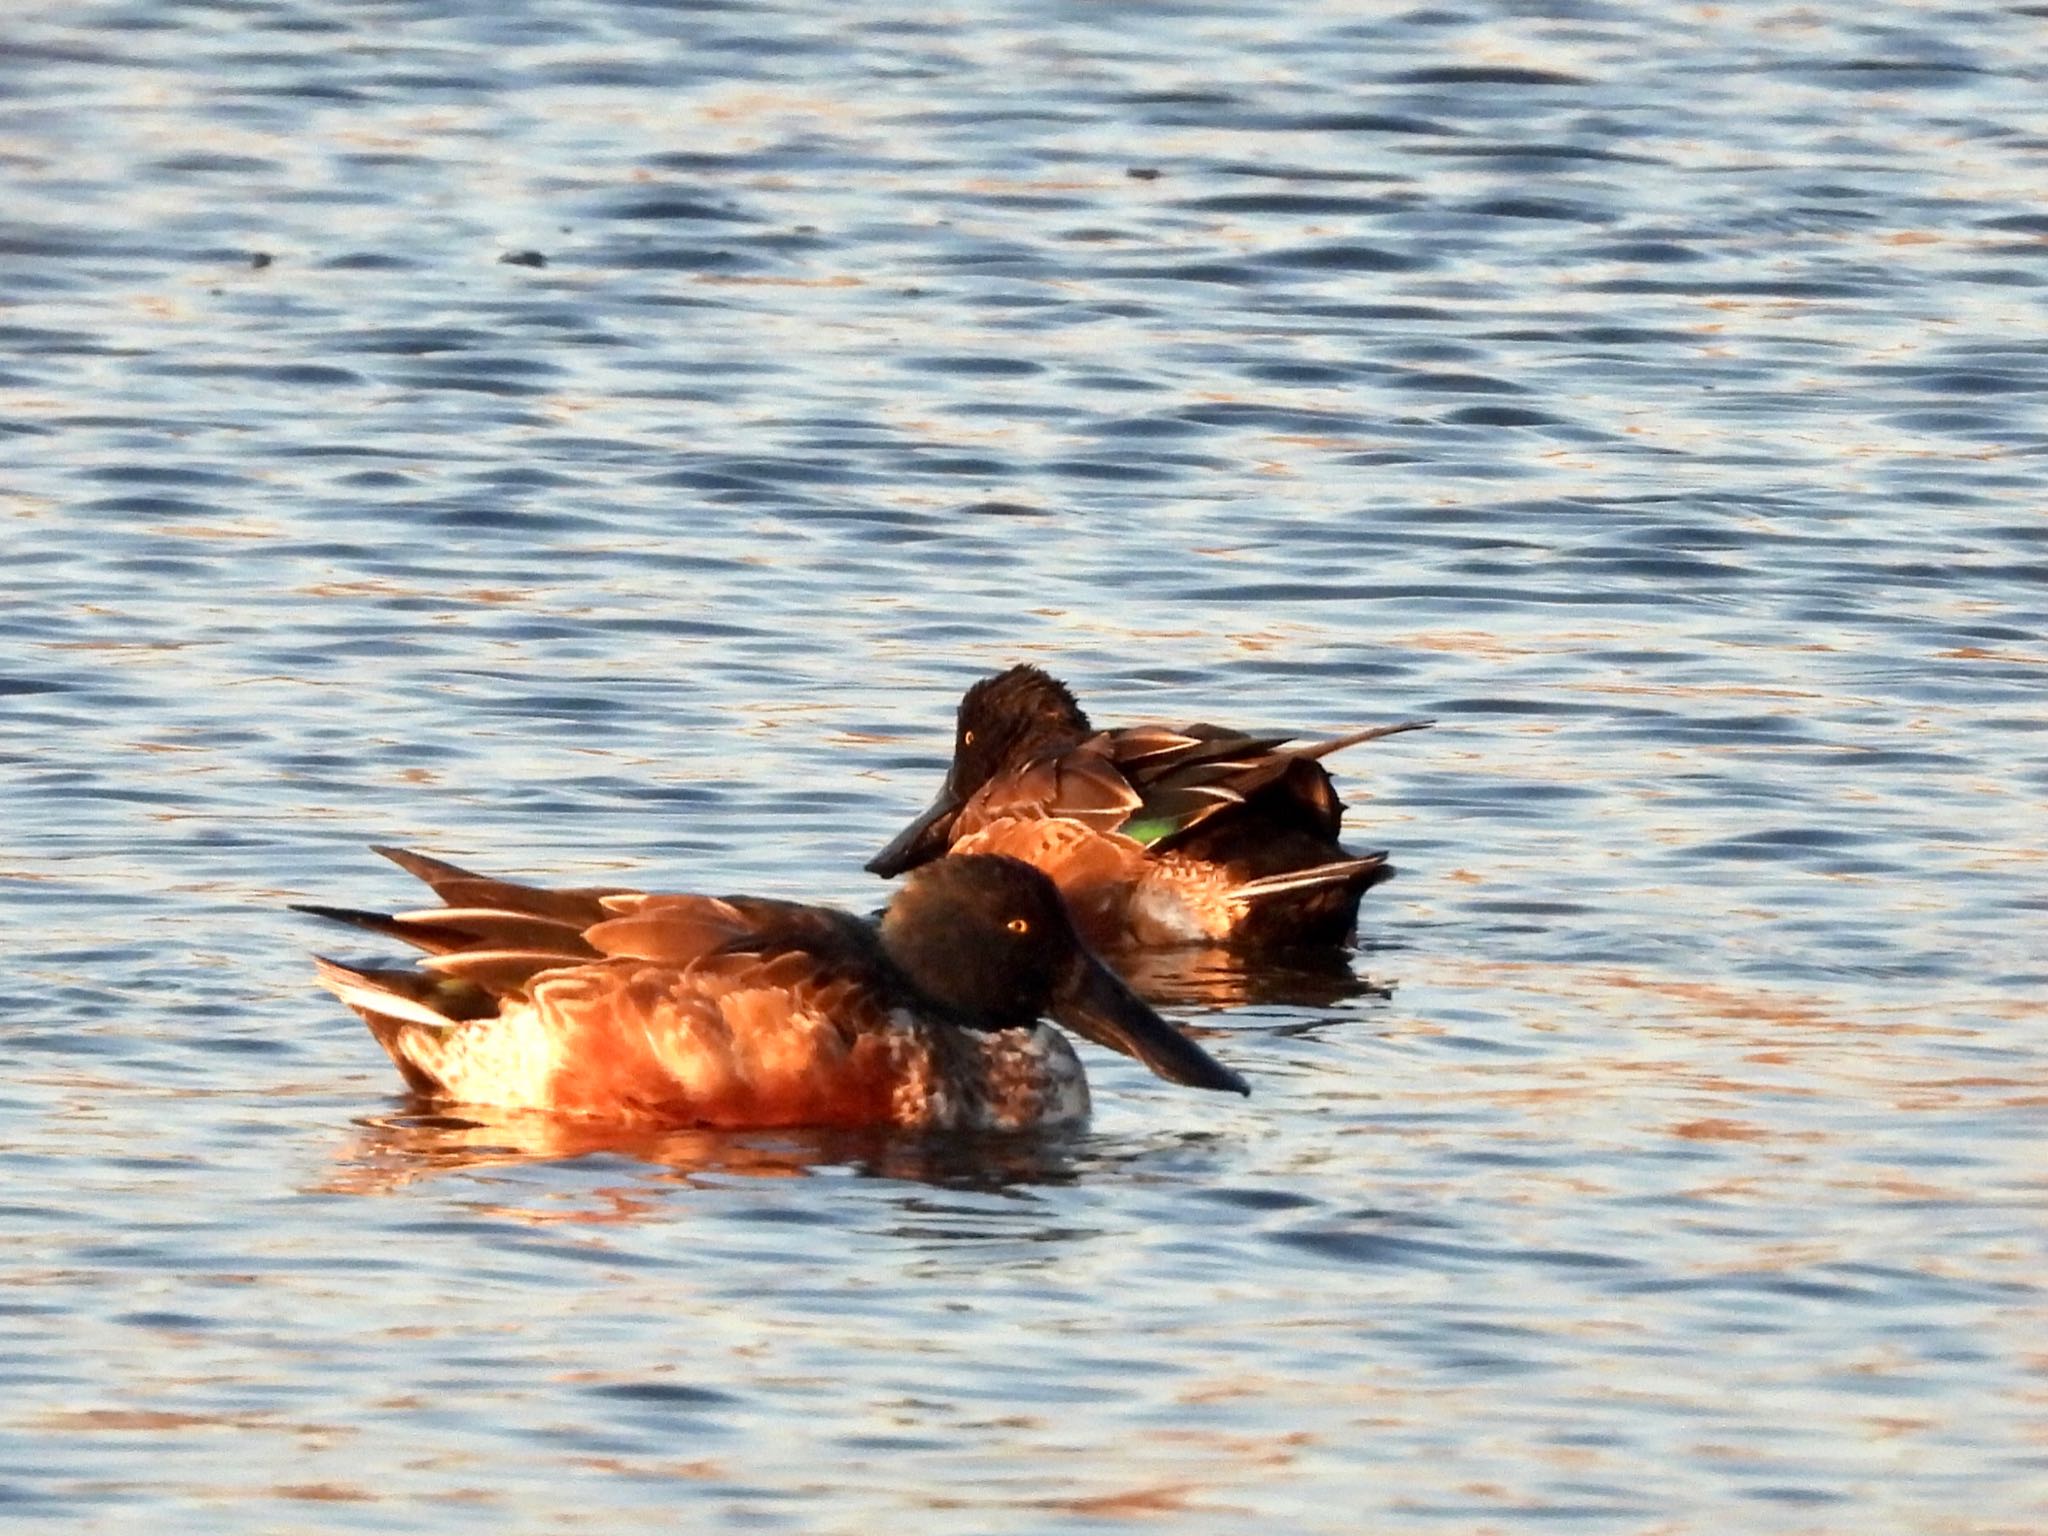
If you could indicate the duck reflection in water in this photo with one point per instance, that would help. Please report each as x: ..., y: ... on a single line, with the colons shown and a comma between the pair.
x: 392, y: 1152
x: 1217, y: 977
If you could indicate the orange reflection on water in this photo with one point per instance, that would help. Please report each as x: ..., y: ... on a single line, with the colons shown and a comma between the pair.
x: 1215, y: 978
x: 392, y: 1152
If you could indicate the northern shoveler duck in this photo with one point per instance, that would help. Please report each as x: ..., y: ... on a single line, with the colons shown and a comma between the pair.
x: 1155, y: 834
x: 740, y: 1011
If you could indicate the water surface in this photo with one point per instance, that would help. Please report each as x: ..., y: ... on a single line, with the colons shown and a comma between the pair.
x: 600, y: 441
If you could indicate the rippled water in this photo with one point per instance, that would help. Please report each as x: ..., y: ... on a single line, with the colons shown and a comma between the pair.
x: 601, y: 440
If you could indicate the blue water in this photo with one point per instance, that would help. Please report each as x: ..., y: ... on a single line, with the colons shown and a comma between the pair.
x: 599, y: 441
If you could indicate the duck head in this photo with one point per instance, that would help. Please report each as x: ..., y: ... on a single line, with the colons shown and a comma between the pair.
x: 988, y: 939
x: 1004, y: 721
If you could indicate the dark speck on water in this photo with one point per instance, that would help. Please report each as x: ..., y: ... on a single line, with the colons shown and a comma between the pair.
x: 1653, y: 395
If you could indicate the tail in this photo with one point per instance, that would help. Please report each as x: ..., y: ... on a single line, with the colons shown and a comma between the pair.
x: 409, y: 1012
x: 1360, y: 874
x: 483, y: 951
x: 1338, y: 743
x: 467, y: 890
x: 1312, y: 906
x: 476, y: 962
x: 445, y: 930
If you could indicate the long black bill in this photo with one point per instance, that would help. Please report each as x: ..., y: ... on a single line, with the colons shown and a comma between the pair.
x: 920, y: 842
x: 1094, y: 1004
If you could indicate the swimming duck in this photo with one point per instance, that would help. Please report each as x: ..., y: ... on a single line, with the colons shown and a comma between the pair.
x: 737, y: 1011
x: 1155, y: 834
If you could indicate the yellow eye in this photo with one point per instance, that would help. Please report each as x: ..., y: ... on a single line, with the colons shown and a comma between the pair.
x: 967, y: 738
x: 1017, y: 925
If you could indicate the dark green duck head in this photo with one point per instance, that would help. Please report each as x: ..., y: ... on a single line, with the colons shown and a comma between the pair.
x: 1004, y: 722
x: 988, y: 940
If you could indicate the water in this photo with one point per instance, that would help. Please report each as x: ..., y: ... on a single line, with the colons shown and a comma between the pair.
x: 1655, y: 397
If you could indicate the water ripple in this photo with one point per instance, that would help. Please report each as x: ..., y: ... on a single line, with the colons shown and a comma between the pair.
x: 601, y: 446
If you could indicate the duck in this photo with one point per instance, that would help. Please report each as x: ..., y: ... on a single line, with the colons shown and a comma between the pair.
x: 1154, y: 834
x: 737, y: 1012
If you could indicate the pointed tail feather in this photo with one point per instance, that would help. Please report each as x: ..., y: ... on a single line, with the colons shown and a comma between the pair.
x: 1370, y: 733
x: 395, y: 1005
x: 498, y: 928
x: 423, y: 867
x: 460, y: 887
x: 409, y: 996
x: 1364, y: 872
x: 500, y: 972
x: 444, y: 930
x: 433, y: 938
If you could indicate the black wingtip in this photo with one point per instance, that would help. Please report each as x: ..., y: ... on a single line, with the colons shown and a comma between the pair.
x: 355, y: 917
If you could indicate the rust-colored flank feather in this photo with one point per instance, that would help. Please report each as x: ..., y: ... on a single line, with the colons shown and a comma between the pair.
x: 698, y: 1010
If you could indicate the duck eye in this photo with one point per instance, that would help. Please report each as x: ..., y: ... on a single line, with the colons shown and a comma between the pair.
x: 1018, y: 925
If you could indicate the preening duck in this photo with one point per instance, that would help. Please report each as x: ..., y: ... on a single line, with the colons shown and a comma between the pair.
x: 1155, y: 834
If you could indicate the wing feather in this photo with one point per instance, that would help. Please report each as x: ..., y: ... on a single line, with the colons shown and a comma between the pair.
x: 459, y: 887
x: 1082, y: 783
x: 673, y: 930
x: 670, y: 1008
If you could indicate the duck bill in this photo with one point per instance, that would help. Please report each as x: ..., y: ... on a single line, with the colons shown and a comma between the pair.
x: 1097, y: 1006
x: 922, y: 841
